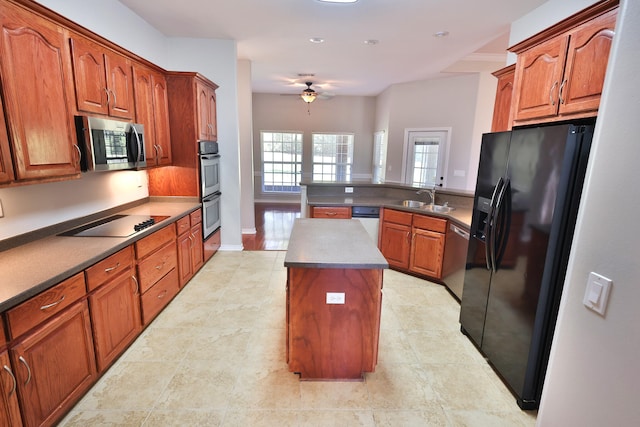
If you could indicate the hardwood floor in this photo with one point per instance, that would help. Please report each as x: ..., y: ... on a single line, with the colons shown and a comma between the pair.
x: 273, y: 227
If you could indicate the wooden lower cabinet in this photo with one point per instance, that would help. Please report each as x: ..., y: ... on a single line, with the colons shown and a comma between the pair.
x: 54, y: 365
x: 9, y: 409
x: 190, y: 246
x: 331, y: 212
x: 115, y: 316
x: 395, y: 238
x: 159, y: 295
x: 413, y: 242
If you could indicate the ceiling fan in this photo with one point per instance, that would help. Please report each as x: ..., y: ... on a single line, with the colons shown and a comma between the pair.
x: 311, y: 93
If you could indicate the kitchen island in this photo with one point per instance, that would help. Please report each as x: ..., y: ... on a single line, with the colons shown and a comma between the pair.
x: 334, y: 296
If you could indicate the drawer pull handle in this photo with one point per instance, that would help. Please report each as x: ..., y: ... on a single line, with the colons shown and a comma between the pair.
x: 331, y: 213
x: 53, y: 304
x: 110, y: 269
x: 137, y: 285
x: 13, y: 378
x: 162, y: 294
x: 159, y: 267
x: 24, y: 362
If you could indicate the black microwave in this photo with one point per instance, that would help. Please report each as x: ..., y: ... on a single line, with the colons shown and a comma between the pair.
x: 108, y: 144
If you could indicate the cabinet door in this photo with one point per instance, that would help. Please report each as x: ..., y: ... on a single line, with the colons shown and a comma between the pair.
x: 55, y: 365
x: 504, y: 95
x: 9, y: 410
x: 90, y: 79
x: 211, y: 111
x: 196, y: 248
x: 37, y: 87
x: 203, y: 111
x: 587, y: 60
x: 395, y: 244
x: 143, y: 96
x: 120, y: 85
x: 115, y: 316
x: 184, y: 258
x: 6, y: 165
x: 538, y: 78
x: 427, y: 252
x: 161, y: 118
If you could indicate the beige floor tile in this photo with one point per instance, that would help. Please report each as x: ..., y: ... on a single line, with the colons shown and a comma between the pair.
x: 216, y: 356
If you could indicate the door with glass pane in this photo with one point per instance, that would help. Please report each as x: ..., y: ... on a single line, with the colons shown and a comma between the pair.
x: 425, y: 158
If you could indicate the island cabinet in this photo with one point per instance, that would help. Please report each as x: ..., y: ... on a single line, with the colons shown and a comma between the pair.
x: 103, y: 80
x: 560, y: 75
x: 9, y: 408
x: 190, y: 249
x: 157, y: 271
x: 114, y: 302
x: 52, y: 351
x: 333, y: 299
x: 152, y: 110
x: 37, y: 87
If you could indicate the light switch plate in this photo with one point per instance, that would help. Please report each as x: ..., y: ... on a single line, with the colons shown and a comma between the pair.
x: 348, y: 189
x: 597, y: 293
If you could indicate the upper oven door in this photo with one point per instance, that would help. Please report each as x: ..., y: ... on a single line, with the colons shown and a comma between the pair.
x: 209, y: 174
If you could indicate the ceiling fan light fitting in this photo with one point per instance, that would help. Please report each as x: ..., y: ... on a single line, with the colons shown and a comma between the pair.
x: 308, y: 95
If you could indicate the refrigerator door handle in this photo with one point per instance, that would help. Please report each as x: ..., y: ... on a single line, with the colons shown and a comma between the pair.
x: 504, y: 212
x: 489, y: 230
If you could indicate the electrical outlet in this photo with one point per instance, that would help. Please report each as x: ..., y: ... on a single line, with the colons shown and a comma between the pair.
x: 348, y: 189
x: 335, y: 297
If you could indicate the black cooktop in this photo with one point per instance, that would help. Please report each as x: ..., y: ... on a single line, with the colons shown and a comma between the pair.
x: 115, y: 226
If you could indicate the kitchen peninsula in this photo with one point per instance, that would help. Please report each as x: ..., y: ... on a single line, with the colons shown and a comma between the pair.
x: 334, y: 295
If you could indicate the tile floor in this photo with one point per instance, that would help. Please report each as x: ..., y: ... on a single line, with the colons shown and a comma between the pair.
x: 216, y: 357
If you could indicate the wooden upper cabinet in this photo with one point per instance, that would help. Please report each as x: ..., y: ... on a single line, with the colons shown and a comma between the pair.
x: 103, y: 80
x: 562, y: 76
x: 38, y: 90
x: 152, y: 110
x: 504, y: 95
x: 6, y: 165
x: 207, y: 125
x: 587, y: 59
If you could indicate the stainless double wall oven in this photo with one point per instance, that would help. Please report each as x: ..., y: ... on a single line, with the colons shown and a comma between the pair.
x: 210, y: 186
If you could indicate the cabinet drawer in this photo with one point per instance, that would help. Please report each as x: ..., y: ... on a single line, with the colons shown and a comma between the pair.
x: 196, y: 217
x: 108, y: 268
x: 397, y: 217
x: 151, y: 269
x: 152, y: 242
x: 159, y: 295
x: 337, y: 212
x: 183, y: 225
x: 44, y: 305
x: 430, y: 223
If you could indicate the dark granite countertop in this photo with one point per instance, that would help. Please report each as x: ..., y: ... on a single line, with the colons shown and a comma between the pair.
x: 31, y: 268
x: 332, y: 243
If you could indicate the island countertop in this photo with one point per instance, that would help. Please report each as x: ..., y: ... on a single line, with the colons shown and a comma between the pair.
x: 332, y: 243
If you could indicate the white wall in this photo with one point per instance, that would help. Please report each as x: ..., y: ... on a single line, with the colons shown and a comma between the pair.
x: 593, y: 374
x: 447, y: 102
x: 349, y: 114
x: 217, y: 60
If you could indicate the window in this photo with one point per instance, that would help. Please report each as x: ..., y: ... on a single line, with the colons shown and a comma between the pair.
x: 281, y: 161
x: 379, y: 157
x: 425, y: 157
x: 332, y: 157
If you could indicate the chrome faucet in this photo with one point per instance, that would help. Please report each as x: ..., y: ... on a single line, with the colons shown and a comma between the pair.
x: 431, y: 192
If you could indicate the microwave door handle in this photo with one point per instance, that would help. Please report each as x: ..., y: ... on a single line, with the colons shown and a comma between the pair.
x: 138, y: 143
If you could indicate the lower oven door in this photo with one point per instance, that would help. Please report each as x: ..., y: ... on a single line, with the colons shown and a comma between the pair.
x: 210, y: 214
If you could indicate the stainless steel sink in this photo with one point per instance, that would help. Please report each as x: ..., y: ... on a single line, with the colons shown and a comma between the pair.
x: 413, y: 204
x: 437, y: 208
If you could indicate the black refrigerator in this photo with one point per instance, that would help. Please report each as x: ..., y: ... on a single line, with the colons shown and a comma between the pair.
x: 526, y: 203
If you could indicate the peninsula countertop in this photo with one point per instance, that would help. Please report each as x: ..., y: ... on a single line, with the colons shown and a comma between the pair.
x: 332, y: 243
x: 36, y: 266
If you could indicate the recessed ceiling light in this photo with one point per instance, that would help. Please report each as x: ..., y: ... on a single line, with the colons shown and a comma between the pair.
x: 371, y: 42
x: 338, y: 1
x: 441, y: 34
x: 316, y: 40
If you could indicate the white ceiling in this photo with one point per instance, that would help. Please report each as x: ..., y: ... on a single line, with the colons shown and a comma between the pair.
x: 274, y: 35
